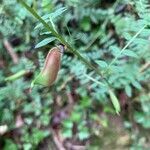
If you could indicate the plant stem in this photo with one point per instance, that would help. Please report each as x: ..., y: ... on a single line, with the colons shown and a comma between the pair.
x: 61, y: 39
x: 94, y: 80
x: 124, y: 48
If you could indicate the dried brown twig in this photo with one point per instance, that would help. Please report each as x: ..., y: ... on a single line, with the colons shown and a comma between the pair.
x: 145, y: 66
x: 58, y: 140
x: 11, y: 52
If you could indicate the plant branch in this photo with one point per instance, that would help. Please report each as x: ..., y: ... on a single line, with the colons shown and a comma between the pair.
x: 61, y: 39
x: 11, y: 52
x: 124, y: 48
x: 64, y: 42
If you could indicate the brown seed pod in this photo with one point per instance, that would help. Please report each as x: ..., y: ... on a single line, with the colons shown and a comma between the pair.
x: 51, y: 67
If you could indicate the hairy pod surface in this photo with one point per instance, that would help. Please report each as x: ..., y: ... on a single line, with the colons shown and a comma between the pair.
x: 51, y: 67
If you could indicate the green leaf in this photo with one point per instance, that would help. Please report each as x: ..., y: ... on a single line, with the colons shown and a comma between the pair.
x: 10, y: 145
x: 127, y: 36
x: 85, y: 24
x: 136, y: 85
x: 52, y: 24
x: 52, y: 15
x: 130, y: 53
x: 27, y: 146
x: 16, y: 75
x: 68, y: 124
x: 102, y: 63
x: 115, y: 101
x: 115, y: 50
x: 75, y: 116
x: 40, y: 25
x: 45, y: 33
x: 83, y: 131
x: 67, y: 133
x: 83, y: 135
x: 45, y: 42
x: 55, y: 14
x: 85, y: 102
x: 139, y: 117
x: 128, y: 90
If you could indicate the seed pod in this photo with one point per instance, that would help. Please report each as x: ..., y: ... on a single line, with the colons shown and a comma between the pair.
x: 51, y: 67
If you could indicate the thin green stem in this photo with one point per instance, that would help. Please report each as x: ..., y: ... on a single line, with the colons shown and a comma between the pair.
x: 61, y: 39
x: 97, y: 35
x: 94, y: 80
x: 124, y: 48
x: 94, y: 38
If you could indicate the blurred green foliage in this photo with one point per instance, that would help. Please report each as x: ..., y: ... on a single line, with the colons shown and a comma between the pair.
x: 99, y: 30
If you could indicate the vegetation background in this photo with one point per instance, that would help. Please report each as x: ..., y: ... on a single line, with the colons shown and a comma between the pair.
x: 79, y: 111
